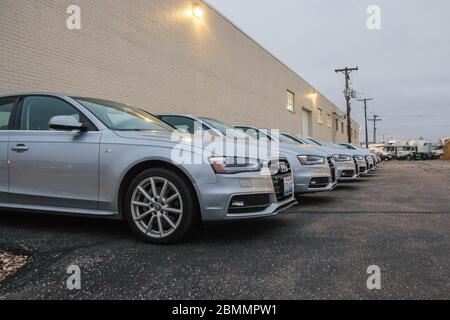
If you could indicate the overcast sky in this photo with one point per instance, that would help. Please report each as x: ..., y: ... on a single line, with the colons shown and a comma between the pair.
x: 405, y: 66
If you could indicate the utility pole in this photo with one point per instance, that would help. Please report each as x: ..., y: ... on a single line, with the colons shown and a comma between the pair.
x: 375, y: 119
x: 365, y: 117
x: 348, y: 95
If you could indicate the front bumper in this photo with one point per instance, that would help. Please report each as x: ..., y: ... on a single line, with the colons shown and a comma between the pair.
x: 216, y: 199
x: 310, y: 179
x: 370, y: 164
x: 362, y: 167
x: 346, y: 171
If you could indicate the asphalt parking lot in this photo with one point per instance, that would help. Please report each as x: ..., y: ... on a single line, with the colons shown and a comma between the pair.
x: 398, y: 219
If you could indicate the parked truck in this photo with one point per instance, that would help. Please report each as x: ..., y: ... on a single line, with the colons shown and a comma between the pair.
x: 424, y: 150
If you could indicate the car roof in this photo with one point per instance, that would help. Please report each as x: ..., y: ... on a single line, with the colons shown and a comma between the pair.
x: 177, y: 115
x: 17, y: 94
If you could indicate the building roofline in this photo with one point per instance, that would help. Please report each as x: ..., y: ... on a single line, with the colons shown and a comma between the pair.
x: 218, y: 12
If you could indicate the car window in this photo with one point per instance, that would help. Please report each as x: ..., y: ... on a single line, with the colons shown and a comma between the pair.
x: 249, y: 132
x: 37, y: 111
x: 287, y: 139
x: 182, y: 124
x: 226, y: 130
x: 255, y: 134
x: 313, y: 142
x: 6, y: 107
x: 121, y: 117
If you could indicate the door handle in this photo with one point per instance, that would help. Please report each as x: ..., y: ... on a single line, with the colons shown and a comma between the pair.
x: 20, y: 148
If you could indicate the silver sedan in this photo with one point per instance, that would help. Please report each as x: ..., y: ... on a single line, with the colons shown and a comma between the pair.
x: 313, y: 170
x: 92, y: 157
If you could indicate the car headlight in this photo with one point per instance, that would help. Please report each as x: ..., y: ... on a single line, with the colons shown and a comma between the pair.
x: 311, y: 160
x: 231, y: 165
x: 359, y: 158
x: 342, y: 158
x: 369, y: 157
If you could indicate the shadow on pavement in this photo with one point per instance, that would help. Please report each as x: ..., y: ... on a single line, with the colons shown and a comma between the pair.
x: 69, y: 229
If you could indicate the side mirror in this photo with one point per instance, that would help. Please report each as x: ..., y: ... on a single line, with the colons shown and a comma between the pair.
x: 66, y: 123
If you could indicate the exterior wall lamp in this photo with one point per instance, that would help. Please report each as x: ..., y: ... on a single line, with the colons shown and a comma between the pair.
x: 197, y: 10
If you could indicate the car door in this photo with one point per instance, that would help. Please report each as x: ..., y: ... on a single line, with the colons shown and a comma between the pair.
x: 6, y: 110
x: 48, y: 167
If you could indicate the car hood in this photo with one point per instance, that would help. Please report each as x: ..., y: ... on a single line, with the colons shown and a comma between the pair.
x: 339, y: 151
x: 215, y: 148
x: 303, y: 149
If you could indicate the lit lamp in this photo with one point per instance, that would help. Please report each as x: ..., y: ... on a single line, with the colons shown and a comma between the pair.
x: 197, y: 10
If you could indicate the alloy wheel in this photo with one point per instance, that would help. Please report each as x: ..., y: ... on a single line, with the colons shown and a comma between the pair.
x: 156, y: 207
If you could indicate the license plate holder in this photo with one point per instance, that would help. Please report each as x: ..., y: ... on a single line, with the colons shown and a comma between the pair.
x: 288, y: 185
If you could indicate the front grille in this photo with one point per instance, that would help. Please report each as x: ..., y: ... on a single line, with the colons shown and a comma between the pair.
x: 347, y: 173
x: 362, y: 169
x: 278, y: 180
x: 356, y: 165
x: 249, y: 203
x: 333, y: 169
x: 318, y: 183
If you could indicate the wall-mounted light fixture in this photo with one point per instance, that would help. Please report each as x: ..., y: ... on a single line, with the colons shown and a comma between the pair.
x: 197, y: 10
x: 313, y: 95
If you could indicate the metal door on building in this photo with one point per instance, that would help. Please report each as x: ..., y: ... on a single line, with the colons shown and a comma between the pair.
x: 306, y: 123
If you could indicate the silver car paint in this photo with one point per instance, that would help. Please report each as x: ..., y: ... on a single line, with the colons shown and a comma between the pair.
x: 302, y: 174
x: 343, y: 165
x: 367, y: 153
x: 81, y: 173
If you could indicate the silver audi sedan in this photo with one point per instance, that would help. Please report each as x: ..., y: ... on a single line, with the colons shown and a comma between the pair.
x: 92, y: 157
x: 313, y: 170
x: 347, y: 167
x: 368, y: 155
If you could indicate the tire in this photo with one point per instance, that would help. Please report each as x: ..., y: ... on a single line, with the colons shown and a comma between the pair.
x: 148, y: 214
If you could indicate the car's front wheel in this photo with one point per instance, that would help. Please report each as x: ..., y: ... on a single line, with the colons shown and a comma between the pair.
x: 159, y: 206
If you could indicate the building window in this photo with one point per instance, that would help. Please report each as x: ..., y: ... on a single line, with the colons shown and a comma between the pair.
x: 342, y: 127
x: 320, y: 116
x: 337, y: 125
x: 329, y: 120
x: 291, y: 101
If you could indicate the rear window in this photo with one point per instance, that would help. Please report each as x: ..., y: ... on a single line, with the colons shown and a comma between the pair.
x: 6, y: 107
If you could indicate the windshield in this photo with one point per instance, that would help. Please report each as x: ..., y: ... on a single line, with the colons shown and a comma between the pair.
x: 358, y: 147
x: 226, y: 130
x: 347, y: 146
x: 286, y: 139
x: 121, y: 117
x: 289, y: 138
x: 335, y: 146
x: 306, y: 141
x: 313, y: 142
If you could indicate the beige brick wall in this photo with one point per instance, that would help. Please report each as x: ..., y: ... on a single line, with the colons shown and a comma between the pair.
x: 153, y: 54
